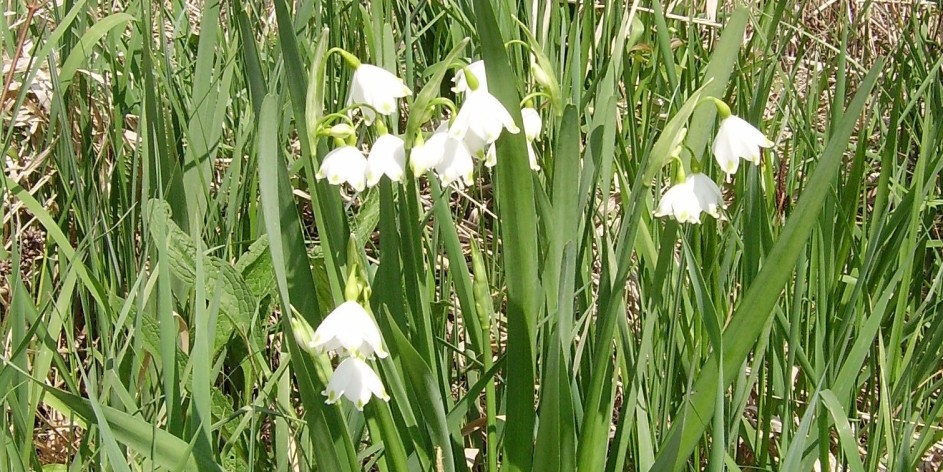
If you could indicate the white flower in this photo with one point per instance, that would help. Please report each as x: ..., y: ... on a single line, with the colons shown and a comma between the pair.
x: 491, y: 158
x: 344, y: 164
x: 461, y: 84
x: 350, y: 328
x: 355, y: 380
x: 428, y: 154
x: 532, y: 123
x: 387, y: 156
x: 378, y: 88
x: 532, y: 127
x: 483, y: 115
x: 685, y: 201
x: 735, y: 139
x: 708, y: 194
x: 457, y: 165
x: 476, y: 144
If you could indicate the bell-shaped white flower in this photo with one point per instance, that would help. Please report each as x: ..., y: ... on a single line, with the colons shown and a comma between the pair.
x: 428, y: 154
x: 686, y: 201
x: 483, y: 115
x: 378, y: 88
x: 387, y: 157
x: 461, y: 84
x: 532, y: 123
x: 349, y: 328
x: 737, y: 139
x: 707, y: 192
x: 355, y: 380
x: 457, y: 165
x: 344, y: 164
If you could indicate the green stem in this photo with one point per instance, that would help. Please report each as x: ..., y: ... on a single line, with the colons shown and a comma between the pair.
x: 351, y: 59
x: 534, y: 95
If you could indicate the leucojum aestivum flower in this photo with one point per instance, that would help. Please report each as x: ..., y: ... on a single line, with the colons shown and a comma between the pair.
x: 693, y: 193
x: 451, y: 152
x: 351, y: 333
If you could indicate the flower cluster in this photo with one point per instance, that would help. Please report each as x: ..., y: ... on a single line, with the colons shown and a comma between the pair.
x: 350, y: 332
x: 696, y: 193
x: 449, y: 152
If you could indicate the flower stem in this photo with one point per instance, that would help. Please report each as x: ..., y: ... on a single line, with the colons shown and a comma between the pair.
x: 351, y: 59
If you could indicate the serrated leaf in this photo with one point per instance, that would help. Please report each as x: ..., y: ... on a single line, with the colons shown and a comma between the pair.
x: 237, y: 302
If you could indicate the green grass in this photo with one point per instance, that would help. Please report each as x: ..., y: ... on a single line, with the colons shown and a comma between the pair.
x: 162, y: 223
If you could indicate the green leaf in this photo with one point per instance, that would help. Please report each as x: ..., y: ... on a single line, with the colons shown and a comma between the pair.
x: 330, y: 440
x: 255, y: 265
x: 237, y: 302
x: 83, y: 50
x: 515, y: 198
x: 754, y: 311
x: 143, y: 437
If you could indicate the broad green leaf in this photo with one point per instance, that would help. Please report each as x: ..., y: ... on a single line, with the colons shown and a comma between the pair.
x: 515, y: 199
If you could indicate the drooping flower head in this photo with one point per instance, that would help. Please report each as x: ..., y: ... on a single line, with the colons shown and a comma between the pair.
x: 378, y: 88
x: 737, y: 139
x: 355, y: 380
x: 344, y: 164
x: 687, y: 200
x: 483, y: 115
x: 456, y: 165
x: 387, y: 157
x: 427, y: 154
x: 532, y: 123
x: 351, y: 329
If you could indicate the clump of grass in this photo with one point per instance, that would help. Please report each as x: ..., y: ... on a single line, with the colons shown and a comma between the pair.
x: 163, y: 224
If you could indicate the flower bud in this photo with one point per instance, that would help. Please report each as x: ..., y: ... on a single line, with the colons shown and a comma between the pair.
x: 304, y: 333
x: 540, y: 75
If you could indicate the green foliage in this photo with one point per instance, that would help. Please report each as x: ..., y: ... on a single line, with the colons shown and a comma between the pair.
x: 163, y: 226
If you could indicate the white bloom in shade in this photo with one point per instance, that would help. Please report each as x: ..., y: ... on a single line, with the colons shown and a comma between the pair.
x: 428, y: 154
x: 457, y: 165
x: 483, y: 115
x: 532, y: 123
x: 491, y: 158
x: 387, y: 157
x: 738, y: 139
x: 378, y: 88
x: 461, y: 84
x: 355, y: 380
x: 344, y: 164
x: 350, y: 328
x: 686, y: 201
